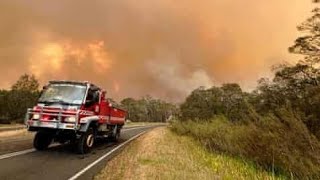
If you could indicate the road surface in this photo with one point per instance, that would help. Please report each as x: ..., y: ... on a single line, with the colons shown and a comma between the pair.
x: 59, y: 161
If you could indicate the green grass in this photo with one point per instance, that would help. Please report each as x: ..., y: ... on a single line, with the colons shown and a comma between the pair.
x: 162, y: 154
x: 226, y: 167
x: 284, y: 147
x: 230, y: 167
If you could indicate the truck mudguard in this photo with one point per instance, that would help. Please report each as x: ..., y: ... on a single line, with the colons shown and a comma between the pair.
x: 86, y: 121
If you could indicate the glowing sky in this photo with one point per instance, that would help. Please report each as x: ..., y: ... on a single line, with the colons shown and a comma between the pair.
x: 164, y: 48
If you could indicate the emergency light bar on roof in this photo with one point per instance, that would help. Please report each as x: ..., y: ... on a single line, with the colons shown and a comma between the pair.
x: 69, y: 82
x: 84, y: 83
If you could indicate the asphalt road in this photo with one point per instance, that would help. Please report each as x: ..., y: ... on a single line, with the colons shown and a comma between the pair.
x: 60, y: 161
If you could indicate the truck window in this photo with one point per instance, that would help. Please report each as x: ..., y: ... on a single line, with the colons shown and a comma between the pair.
x: 93, y: 96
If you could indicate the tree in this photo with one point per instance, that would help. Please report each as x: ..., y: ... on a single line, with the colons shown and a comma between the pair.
x: 148, y: 109
x: 301, y: 82
x: 228, y: 100
x: 309, y: 44
x: 201, y: 104
x: 26, y: 83
x: 130, y: 105
x: 24, y: 94
x: 4, y: 106
x: 232, y: 100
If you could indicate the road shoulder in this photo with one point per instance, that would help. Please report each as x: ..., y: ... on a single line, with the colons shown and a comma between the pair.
x: 161, y: 154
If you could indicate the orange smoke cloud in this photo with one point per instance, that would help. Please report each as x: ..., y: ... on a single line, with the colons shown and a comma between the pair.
x: 116, y: 87
x: 50, y: 58
x: 163, y: 48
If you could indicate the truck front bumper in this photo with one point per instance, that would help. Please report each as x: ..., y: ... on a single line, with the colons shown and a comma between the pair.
x: 50, y: 124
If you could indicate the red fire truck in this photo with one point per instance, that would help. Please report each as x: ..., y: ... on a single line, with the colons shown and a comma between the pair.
x: 74, y: 112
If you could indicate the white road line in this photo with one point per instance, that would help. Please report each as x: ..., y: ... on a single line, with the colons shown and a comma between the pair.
x: 5, y: 156
x: 129, y: 129
x: 76, y: 176
x: 27, y: 151
x: 10, y: 155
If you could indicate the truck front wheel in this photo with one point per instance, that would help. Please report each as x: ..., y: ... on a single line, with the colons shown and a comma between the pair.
x: 86, y: 142
x: 42, y: 140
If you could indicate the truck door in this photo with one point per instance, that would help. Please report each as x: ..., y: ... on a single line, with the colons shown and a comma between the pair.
x: 92, y: 101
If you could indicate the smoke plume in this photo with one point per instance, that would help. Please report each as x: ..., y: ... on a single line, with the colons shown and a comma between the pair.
x: 163, y: 48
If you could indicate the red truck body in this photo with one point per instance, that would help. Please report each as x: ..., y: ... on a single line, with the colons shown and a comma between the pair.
x: 76, y: 112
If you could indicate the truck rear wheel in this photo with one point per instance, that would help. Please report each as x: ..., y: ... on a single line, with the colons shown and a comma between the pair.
x: 42, y: 140
x: 115, y: 136
x: 86, y: 142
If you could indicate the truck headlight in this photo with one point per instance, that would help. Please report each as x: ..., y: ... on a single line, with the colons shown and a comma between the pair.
x: 36, y: 116
x: 70, y: 119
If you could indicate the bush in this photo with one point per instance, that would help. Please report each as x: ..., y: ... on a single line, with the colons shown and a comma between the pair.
x: 14, y: 102
x: 279, y: 143
x: 18, y: 103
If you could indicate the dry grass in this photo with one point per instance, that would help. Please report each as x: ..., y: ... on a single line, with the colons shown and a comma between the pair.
x: 10, y: 125
x: 130, y: 124
x: 14, y: 133
x: 281, y: 144
x: 17, y: 130
x: 161, y: 154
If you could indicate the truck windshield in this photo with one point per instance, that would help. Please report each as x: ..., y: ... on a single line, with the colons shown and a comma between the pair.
x: 64, y: 94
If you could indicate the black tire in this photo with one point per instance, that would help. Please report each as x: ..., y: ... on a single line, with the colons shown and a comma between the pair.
x: 86, y: 141
x: 42, y: 140
x: 115, y: 137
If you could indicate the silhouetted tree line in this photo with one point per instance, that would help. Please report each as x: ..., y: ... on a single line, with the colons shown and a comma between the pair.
x: 295, y: 88
x: 277, y: 125
x: 148, y: 109
x: 14, y: 102
x: 25, y: 92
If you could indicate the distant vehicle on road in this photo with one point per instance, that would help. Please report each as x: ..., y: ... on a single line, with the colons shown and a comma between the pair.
x: 74, y: 112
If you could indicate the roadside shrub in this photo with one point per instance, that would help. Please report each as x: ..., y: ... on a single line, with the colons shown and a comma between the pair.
x: 14, y: 102
x: 280, y: 143
x: 18, y: 103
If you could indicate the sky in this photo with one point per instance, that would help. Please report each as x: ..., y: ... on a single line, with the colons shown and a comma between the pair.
x: 162, y: 48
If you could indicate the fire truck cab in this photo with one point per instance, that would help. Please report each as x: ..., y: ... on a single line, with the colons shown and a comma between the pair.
x: 76, y: 113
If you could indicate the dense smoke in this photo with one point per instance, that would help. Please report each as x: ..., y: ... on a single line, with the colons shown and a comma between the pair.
x: 163, y: 48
